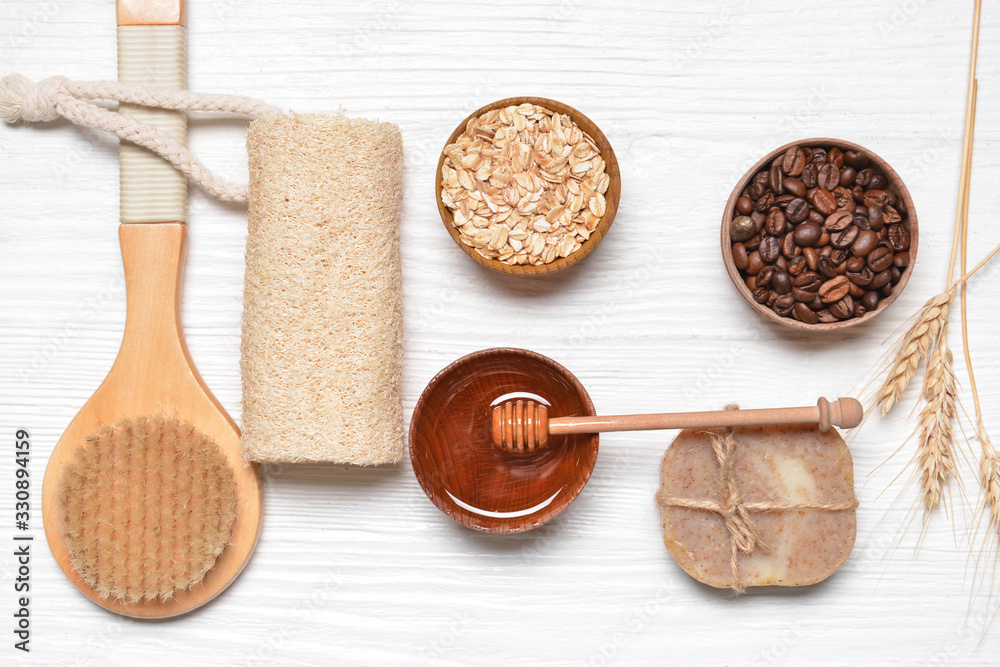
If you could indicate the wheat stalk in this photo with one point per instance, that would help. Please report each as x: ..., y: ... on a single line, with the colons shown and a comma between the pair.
x: 935, y: 450
x: 912, y: 349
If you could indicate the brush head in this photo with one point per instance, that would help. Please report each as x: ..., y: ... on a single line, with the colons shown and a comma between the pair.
x: 146, y: 507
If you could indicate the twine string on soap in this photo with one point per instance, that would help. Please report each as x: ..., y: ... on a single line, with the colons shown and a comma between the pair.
x: 55, y: 97
x: 744, y: 537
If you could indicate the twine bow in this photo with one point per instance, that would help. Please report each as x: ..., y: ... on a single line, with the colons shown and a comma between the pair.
x: 57, y: 96
x: 744, y: 537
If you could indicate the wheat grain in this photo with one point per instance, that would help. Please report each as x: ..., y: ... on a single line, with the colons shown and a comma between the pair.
x: 935, y: 451
x: 912, y: 349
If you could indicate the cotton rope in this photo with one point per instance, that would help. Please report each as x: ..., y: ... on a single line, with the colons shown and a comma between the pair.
x: 49, y: 99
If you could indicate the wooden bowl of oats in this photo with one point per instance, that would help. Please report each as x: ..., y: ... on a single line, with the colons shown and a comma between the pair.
x: 527, y: 186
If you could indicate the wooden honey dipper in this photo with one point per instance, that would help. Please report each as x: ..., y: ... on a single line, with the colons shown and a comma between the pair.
x: 523, y: 426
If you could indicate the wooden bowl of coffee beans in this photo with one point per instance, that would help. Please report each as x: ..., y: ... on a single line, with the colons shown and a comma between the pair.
x: 821, y: 234
x: 527, y: 186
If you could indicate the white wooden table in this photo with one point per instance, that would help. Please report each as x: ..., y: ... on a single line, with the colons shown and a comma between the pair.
x: 357, y: 566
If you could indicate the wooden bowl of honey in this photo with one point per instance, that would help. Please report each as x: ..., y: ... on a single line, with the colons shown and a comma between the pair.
x: 465, y: 475
x: 527, y: 186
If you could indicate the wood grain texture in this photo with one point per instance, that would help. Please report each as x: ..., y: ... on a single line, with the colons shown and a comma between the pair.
x: 358, y: 565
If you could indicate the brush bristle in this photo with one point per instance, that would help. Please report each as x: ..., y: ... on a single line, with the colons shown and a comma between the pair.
x: 147, y: 506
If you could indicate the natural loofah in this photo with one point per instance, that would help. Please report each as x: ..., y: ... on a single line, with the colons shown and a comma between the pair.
x: 322, y: 321
x: 146, y: 507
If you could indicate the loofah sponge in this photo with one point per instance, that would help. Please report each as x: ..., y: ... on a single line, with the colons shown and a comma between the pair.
x: 146, y: 507
x: 322, y: 322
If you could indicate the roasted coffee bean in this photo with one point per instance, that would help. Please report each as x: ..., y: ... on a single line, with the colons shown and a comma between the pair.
x: 754, y: 263
x: 784, y: 304
x: 863, y: 277
x: 827, y: 267
x: 890, y: 215
x: 753, y: 243
x: 775, y: 222
x: 865, y: 243
x: 797, y: 264
x: 844, y: 199
x: 881, y: 279
x: 804, y: 313
x: 855, y: 264
x: 838, y: 221
x: 744, y: 205
x: 817, y: 217
x: 826, y: 317
x: 844, y: 238
x: 771, y: 299
x: 856, y: 291
x: 812, y: 258
x: 835, y: 156
x: 808, y: 175
x: 807, y: 234
x: 838, y: 256
x: 855, y: 159
x: 781, y: 282
x: 795, y: 187
x: 775, y: 179
x: 859, y: 310
x: 788, y: 247
x: 834, y: 289
x: 876, y: 217
x: 878, y: 181
x: 880, y: 259
x: 870, y: 300
x: 770, y: 248
x: 761, y: 295
x: 858, y: 193
x: 793, y: 161
x: 741, y: 258
x: 899, y: 237
x: 764, y: 202
x: 823, y: 201
x: 818, y: 155
x: 847, y: 175
x: 843, y: 308
x: 764, y: 277
x: 864, y: 177
x: 901, y: 260
x: 886, y: 290
x: 817, y: 304
x: 877, y: 197
x: 783, y: 200
x: 807, y: 282
x: 781, y: 264
x: 797, y: 210
x: 895, y: 274
x: 751, y: 283
x: 828, y: 177
x: 861, y: 218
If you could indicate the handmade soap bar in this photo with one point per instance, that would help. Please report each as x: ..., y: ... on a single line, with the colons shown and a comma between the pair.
x: 758, y: 506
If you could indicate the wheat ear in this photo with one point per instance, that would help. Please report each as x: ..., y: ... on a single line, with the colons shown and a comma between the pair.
x: 935, y: 452
x: 913, y: 348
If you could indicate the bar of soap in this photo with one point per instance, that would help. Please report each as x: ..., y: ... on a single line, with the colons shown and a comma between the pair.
x: 773, y: 466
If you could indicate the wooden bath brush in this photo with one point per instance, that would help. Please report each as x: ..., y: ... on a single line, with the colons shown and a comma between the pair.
x: 148, y: 505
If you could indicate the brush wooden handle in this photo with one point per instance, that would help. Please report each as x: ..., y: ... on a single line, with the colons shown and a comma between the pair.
x: 523, y: 426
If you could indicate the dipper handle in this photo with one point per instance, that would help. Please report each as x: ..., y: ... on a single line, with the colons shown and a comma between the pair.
x: 523, y: 426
